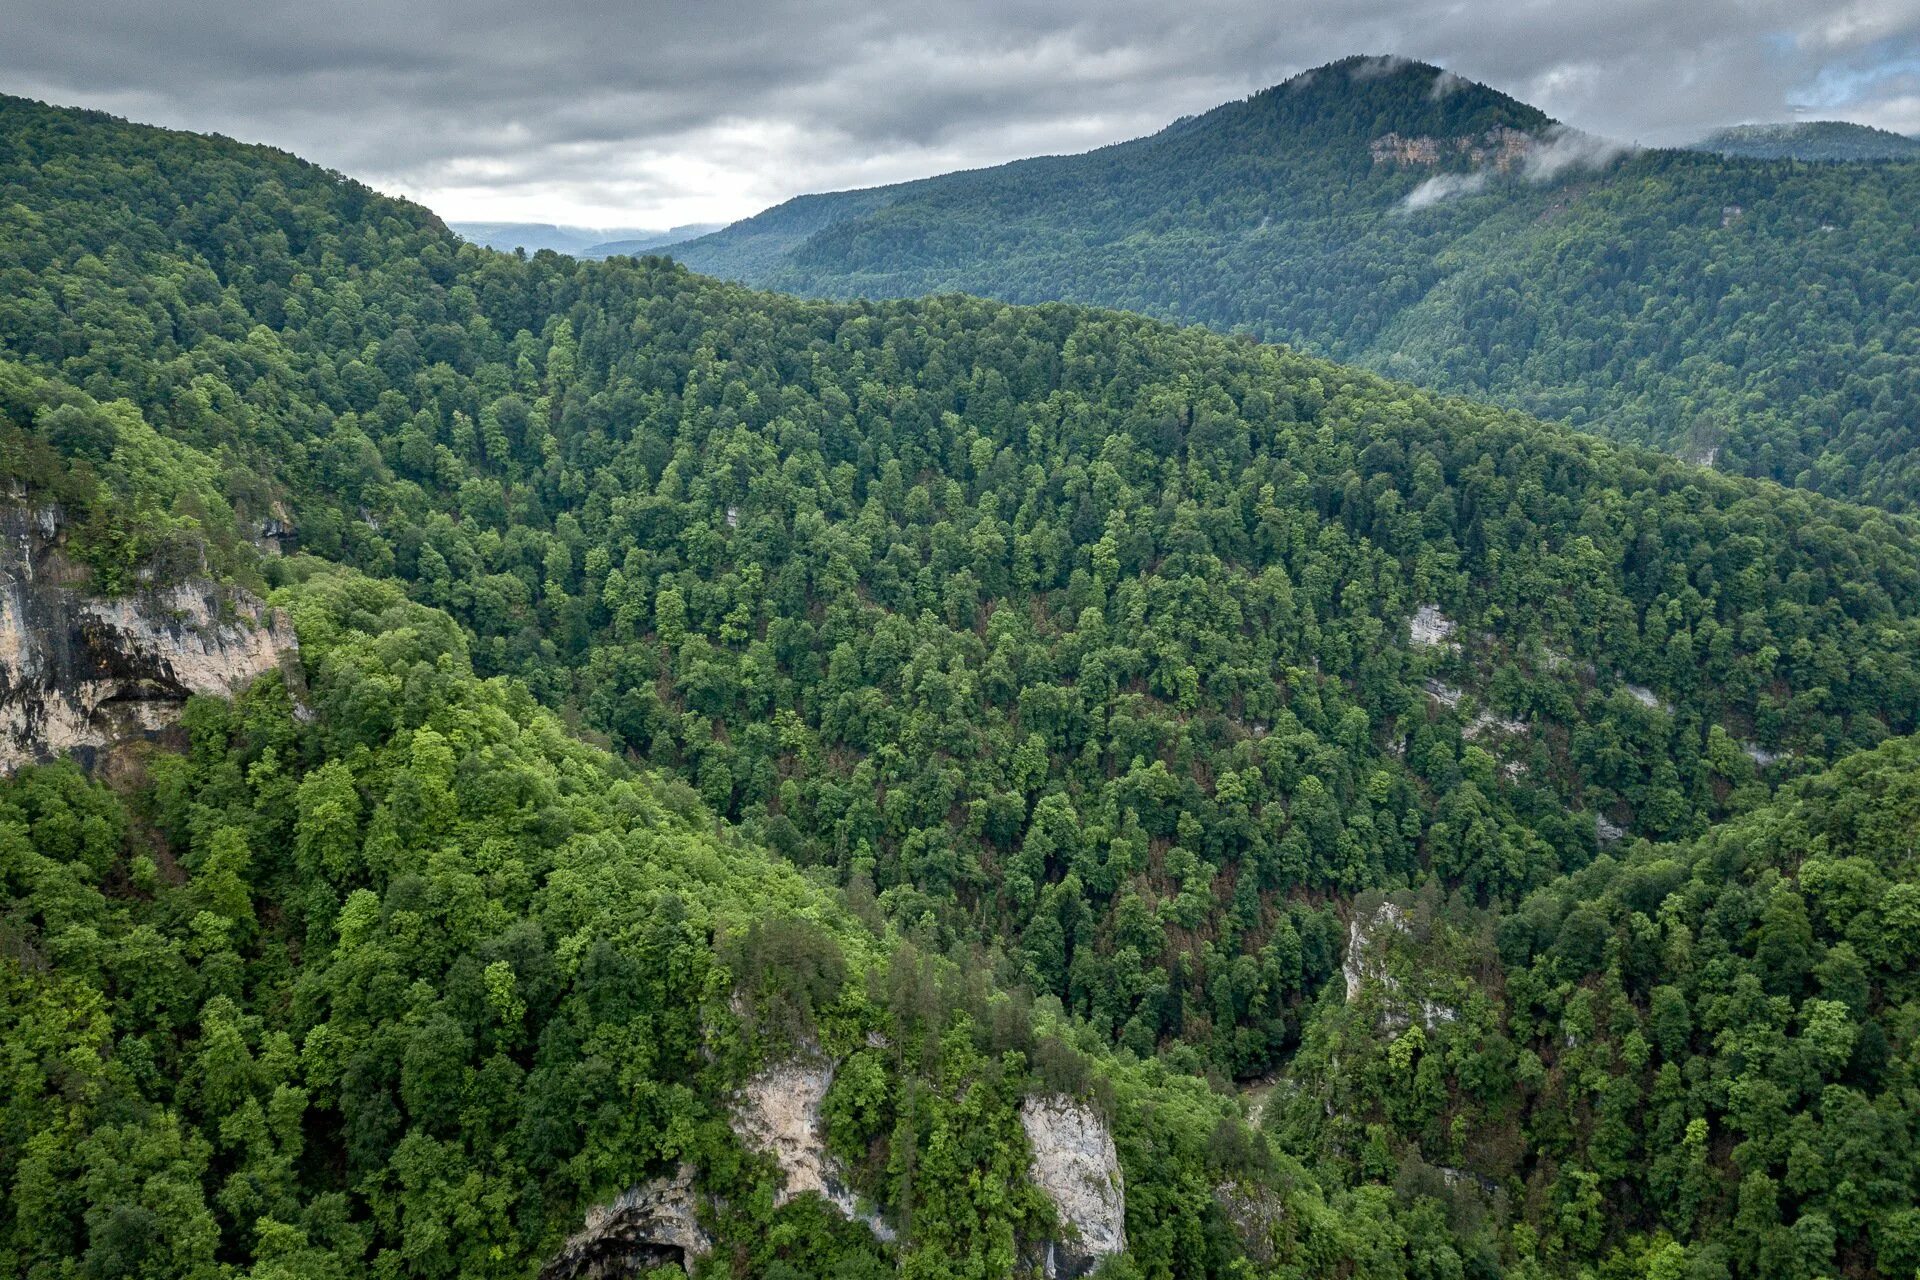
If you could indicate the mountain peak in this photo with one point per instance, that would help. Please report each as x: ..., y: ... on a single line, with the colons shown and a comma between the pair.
x: 1365, y: 97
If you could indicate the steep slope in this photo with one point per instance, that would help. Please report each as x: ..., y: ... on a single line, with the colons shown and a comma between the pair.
x: 1809, y: 140
x: 1063, y: 679
x: 403, y: 981
x: 1054, y: 626
x: 1711, y: 1040
x: 1292, y: 165
x: 1756, y: 315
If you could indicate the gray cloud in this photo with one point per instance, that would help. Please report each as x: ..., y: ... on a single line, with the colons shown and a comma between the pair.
x: 612, y: 111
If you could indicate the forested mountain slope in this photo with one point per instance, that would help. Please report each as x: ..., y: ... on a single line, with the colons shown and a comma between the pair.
x: 1758, y: 315
x: 1033, y: 656
x: 1713, y: 1038
x: 394, y: 978
x: 1810, y: 140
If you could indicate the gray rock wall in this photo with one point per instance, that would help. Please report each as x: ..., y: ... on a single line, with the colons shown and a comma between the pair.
x: 80, y: 672
x: 1075, y: 1166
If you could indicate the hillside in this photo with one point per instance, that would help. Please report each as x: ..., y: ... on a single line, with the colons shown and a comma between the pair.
x: 1810, y: 140
x: 1002, y: 724
x: 1759, y: 316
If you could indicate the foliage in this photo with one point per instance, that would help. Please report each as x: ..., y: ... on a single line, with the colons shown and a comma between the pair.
x: 1758, y: 314
x: 1708, y: 1044
x: 993, y: 700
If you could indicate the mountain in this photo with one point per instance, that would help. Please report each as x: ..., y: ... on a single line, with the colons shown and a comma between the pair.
x: 579, y: 242
x: 535, y: 236
x: 920, y: 787
x: 643, y: 242
x: 1389, y: 214
x: 1809, y: 140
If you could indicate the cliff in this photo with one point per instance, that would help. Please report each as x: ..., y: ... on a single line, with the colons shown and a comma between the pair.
x: 80, y: 672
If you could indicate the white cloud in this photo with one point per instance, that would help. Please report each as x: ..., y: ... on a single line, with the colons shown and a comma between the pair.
x: 1563, y: 149
x: 1443, y: 186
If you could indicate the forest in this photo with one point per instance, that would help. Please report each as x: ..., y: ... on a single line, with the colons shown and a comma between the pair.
x: 1755, y: 314
x: 1482, y: 849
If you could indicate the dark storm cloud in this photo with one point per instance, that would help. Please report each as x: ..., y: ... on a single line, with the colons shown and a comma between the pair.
x: 592, y: 110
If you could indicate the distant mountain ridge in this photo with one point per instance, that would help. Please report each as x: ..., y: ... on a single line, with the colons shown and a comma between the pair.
x: 1413, y: 100
x: 1809, y: 140
x: 1392, y: 214
x: 577, y: 242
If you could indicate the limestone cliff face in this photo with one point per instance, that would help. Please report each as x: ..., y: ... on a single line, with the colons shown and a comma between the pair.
x: 1075, y: 1166
x: 1370, y: 938
x: 79, y: 672
x: 650, y: 1225
x: 778, y: 1114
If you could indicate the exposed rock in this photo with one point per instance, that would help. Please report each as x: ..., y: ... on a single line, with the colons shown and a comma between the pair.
x: 1605, y: 832
x: 1648, y: 698
x: 778, y: 1114
x: 1366, y: 963
x: 1461, y: 1177
x: 650, y: 1225
x: 78, y: 673
x: 1075, y: 1166
x: 1391, y: 148
x: 1500, y: 148
x: 1759, y: 754
x: 1259, y: 1094
x: 1450, y: 697
x: 1255, y: 1213
x: 1485, y: 720
x: 277, y: 535
x: 1430, y: 627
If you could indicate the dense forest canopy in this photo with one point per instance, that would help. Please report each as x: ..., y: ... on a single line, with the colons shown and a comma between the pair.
x: 1755, y: 314
x: 1810, y: 140
x: 1001, y: 699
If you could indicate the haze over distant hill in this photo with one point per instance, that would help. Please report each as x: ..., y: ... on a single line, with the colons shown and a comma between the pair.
x: 1761, y: 317
x: 578, y: 242
x: 1809, y: 140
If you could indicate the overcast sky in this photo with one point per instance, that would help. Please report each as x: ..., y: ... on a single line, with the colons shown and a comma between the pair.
x: 649, y: 113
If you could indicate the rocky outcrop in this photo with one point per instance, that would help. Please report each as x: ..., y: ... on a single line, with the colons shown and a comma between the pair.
x: 1368, y: 938
x: 777, y: 1113
x: 1429, y: 627
x: 1392, y: 148
x: 1075, y: 1166
x: 1500, y: 148
x: 79, y: 672
x: 276, y: 534
x: 1255, y: 1214
x: 651, y: 1225
x: 1648, y: 698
